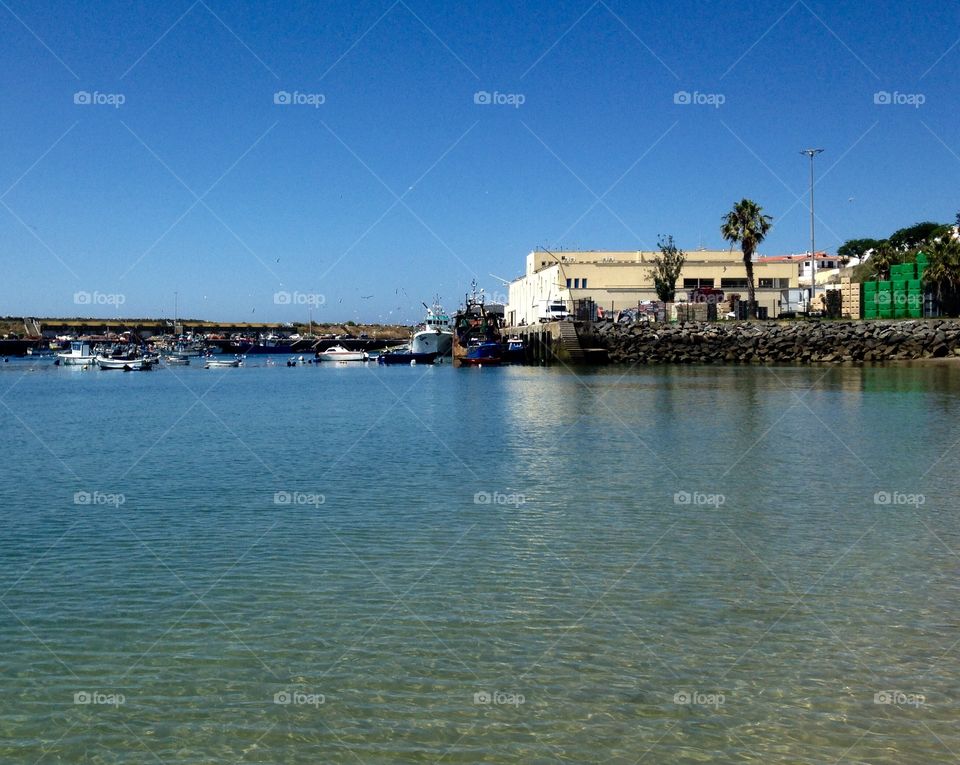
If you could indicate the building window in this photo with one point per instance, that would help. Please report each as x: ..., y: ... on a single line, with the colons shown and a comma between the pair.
x: 568, y: 283
x: 689, y: 284
x: 765, y: 284
x: 733, y: 284
x: 584, y: 283
x: 576, y: 284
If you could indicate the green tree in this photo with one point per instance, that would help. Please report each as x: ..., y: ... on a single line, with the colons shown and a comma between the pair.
x: 942, y: 274
x: 856, y: 248
x: 913, y: 236
x: 747, y: 226
x: 666, y: 268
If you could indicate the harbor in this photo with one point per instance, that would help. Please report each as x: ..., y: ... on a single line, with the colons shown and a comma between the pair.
x: 479, y: 384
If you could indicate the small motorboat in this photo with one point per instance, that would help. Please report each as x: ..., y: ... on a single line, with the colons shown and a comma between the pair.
x: 139, y: 364
x: 339, y: 353
x: 406, y: 357
x: 221, y: 363
x: 515, y: 350
x: 178, y: 360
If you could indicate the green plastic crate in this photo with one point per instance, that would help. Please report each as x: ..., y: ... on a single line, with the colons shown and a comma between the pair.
x: 869, y: 286
x: 915, y: 313
x: 885, y: 313
x: 900, y: 285
x: 915, y: 285
x: 900, y: 313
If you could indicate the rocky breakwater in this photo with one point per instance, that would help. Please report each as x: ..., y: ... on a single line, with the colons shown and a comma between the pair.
x: 771, y: 342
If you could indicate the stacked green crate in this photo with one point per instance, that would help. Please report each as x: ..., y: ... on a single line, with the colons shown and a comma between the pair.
x: 915, y: 298
x: 899, y: 295
x: 921, y: 264
x: 916, y: 311
x: 885, y: 300
x: 869, y: 300
x: 915, y: 287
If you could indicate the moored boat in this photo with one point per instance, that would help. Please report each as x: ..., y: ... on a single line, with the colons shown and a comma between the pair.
x: 339, y: 353
x: 476, y: 333
x: 138, y: 364
x: 211, y: 363
x: 80, y: 353
x: 406, y: 357
x: 484, y: 353
x: 515, y: 350
x: 435, y: 333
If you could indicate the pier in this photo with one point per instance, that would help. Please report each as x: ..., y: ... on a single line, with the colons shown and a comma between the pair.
x: 563, y: 342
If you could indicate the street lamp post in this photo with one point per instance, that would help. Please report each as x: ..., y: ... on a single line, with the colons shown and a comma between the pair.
x: 813, y: 249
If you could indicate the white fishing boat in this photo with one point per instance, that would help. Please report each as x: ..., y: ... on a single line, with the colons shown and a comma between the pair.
x: 221, y: 363
x: 178, y: 360
x: 186, y: 349
x: 139, y: 364
x: 339, y: 353
x: 79, y: 354
x: 435, y: 333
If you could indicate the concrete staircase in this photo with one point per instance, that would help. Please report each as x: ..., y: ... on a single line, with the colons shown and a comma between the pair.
x: 570, y: 341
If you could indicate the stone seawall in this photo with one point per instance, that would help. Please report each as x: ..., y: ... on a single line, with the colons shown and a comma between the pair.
x: 778, y: 342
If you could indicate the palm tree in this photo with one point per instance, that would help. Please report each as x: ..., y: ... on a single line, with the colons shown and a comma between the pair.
x: 943, y: 272
x: 883, y: 256
x: 747, y: 226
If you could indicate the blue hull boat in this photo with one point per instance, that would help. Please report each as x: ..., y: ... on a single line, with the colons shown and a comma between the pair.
x: 406, y: 357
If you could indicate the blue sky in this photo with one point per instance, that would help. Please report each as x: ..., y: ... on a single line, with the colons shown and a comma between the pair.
x: 399, y: 186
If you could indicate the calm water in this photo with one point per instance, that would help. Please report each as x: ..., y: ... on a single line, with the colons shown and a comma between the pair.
x: 382, y: 565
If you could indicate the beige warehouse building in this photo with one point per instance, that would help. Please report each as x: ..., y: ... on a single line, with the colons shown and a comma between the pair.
x: 621, y: 280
